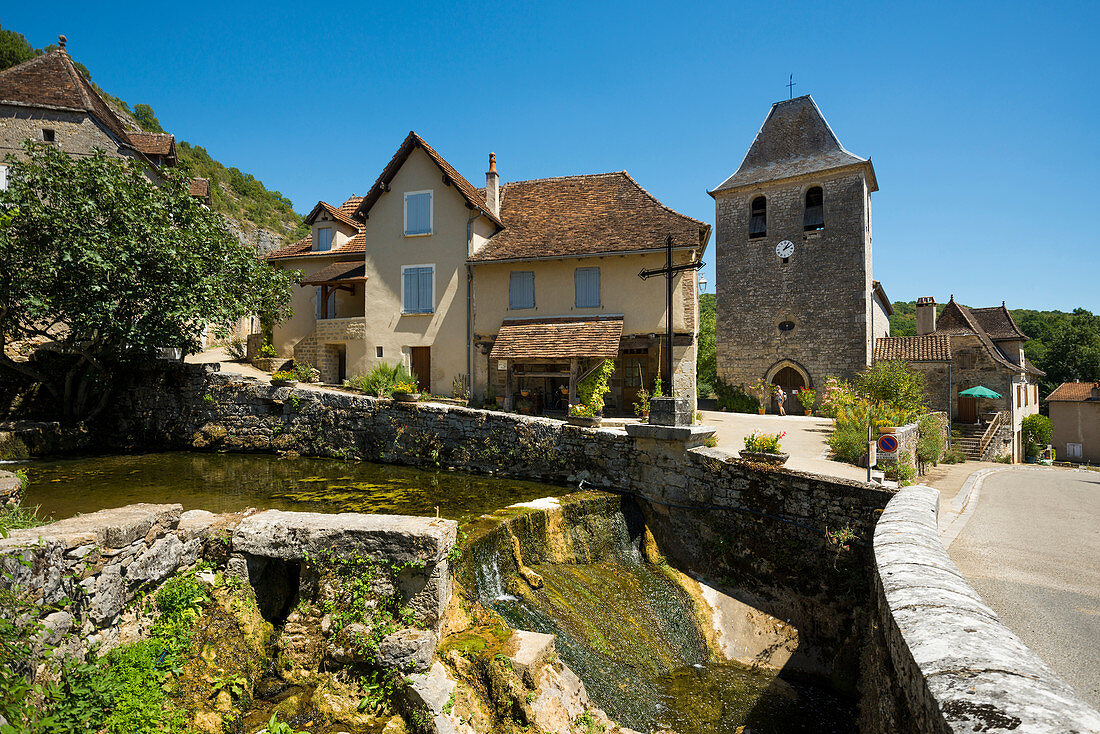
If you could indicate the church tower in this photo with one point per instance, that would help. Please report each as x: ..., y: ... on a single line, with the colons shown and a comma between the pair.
x: 796, y: 298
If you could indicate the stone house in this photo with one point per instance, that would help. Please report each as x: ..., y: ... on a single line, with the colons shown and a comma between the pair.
x: 796, y: 298
x: 1075, y: 417
x: 965, y: 348
x: 507, y: 289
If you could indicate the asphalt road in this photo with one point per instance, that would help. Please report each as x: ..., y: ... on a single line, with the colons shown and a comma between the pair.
x: 1032, y: 550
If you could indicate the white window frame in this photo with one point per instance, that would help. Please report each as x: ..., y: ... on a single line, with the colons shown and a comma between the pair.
x: 431, y: 213
x: 417, y: 313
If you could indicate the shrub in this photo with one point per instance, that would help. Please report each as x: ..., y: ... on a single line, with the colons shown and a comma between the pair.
x: 304, y: 371
x: 930, y: 443
x: 285, y: 375
x: 642, y: 406
x: 1037, y: 430
x: 848, y: 442
x: 837, y: 395
x: 381, y: 380
x: 237, y: 349
x: 902, y: 470
x: 767, y: 443
x: 953, y: 456
x: 406, y: 388
x: 893, y: 383
x: 268, y: 350
x: 735, y: 398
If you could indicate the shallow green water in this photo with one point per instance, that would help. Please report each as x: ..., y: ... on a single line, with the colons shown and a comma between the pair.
x: 233, y: 482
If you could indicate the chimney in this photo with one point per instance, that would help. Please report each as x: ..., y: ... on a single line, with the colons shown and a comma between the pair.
x: 926, y: 315
x: 492, y: 186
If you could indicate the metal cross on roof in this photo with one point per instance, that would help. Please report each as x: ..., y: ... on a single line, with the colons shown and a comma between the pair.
x: 668, y: 271
x: 790, y: 87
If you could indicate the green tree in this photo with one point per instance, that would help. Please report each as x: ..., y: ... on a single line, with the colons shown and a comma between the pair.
x: 706, y: 375
x: 1037, y: 430
x: 147, y: 119
x: 1073, y: 350
x: 104, y: 266
x: 894, y: 384
x: 14, y: 49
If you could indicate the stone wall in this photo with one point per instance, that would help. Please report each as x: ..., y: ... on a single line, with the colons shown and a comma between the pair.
x: 75, y: 133
x: 758, y: 529
x: 940, y: 660
x: 824, y: 288
x: 102, y: 560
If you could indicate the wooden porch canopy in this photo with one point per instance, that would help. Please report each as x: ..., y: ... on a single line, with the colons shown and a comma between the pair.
x: 336, y: 277
x: 558, y: 339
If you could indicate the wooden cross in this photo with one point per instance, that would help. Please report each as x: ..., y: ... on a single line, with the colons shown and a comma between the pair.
x: 790, y: 86
x: 668, y: 271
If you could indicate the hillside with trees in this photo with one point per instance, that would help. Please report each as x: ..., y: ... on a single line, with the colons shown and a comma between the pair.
x: 264, y: 218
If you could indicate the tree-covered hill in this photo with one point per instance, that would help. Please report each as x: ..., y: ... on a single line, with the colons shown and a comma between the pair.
x: 245, y: 201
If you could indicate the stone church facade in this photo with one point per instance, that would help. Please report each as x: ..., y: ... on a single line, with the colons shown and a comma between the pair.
x: 796, y: 299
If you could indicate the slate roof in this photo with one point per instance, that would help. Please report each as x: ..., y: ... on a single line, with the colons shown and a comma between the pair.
x: 794, y: 140
x: 351, y: 271
x: 412, y: 142
x: 927, y: 348
x: 560, y: 338
x: 356, y: 245
x: 998, y: 323
x: 589, y: 214
x: 51, y: 80
x: 1074, y: 392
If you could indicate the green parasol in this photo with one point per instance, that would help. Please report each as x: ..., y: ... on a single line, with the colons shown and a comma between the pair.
x: 980, y: 392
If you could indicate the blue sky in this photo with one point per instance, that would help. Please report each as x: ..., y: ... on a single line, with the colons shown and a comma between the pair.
x: 981, y: 118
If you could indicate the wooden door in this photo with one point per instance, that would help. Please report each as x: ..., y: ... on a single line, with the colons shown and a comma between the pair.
x: 421, y: 359
x: 635, y: 377
x: 968, y: 410
x: 790, y: 380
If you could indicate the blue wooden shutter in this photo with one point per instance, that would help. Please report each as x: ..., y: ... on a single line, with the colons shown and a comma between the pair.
x: 411, y: 300
x: 521, y: 290
x: 594, y: 287
x: 320, y: 304
x: 426, y: 300
x: 586, y: 282
x: 418, y: 213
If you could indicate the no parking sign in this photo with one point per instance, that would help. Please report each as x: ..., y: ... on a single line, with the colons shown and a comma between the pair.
x: 887, y: 443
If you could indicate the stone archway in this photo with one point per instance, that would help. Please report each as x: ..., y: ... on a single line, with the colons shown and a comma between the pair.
x: 791, y: 376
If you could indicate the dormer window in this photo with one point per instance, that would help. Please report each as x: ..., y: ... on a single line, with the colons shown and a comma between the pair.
x: 418, y: 213
x: 324, y: 239
x: 758, y: 217
x: 814, y: 217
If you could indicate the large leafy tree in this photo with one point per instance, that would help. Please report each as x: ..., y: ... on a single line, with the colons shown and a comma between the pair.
x: 101, y: 266
x: 1073, y: 350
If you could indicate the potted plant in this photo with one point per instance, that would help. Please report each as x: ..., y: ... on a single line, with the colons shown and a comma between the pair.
x: 406, y: 392
x: 590, y: 391
x: 761, y: 387
x: 806, y: 396
x: 284, y: 378
x: 641, y: 408
x: 765, y: 448
x: 525, y: 404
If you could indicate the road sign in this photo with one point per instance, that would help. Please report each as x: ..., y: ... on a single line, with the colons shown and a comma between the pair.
x: 887, y: 443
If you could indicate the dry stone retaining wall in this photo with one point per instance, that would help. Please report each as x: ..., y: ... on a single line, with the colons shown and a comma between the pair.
x: 941, y: 660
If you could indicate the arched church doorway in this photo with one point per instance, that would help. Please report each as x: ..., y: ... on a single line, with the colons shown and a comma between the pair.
x: 791, y: 380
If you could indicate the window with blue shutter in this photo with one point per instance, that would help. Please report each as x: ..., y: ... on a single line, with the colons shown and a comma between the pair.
x: 324, y: 239
x: 417, y: 290
x: 326, y: 309
x: 418, y: 213
x: 521, y: 289
x: 586, y: 282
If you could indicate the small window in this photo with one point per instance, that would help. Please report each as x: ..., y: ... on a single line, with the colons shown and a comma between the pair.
x: 786, y: 326
x: 416, y: 289
x: 1073, y: 451
x: 758, y: 217
x: 814, y: 217
x: 521, y: 289
x: 324, y: 239
x: 586, y: 282
x: 418, y: 213
x: 48, y: 135
x: 378, y: 352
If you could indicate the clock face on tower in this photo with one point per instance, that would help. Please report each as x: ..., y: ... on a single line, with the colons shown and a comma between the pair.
x: 784, y: 249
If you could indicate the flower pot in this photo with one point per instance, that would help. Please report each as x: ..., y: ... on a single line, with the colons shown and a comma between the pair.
x: 586, y: 421
x: 406, y: 397
x: 887, y: 429
x: 765, y: 458
x: 284, y: 383
x: 760, y: 411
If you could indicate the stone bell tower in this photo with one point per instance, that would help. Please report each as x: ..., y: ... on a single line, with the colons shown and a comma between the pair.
x: 796, y: 298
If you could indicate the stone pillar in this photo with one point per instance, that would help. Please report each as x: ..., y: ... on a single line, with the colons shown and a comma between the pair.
x: 671, y: 411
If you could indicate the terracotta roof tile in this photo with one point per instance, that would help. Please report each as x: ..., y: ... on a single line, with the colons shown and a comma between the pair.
x: 412, y: 141
x: 338, y: 272
x: 558, y: 338
x: 356, y: 245
x: 154, y: 143
x: 1076, y: 392
x: 51, y: 80
x: 585, y: 215
x: 348, y: 207
x: 928, y: 348
x: 199, y: 187
x: 336, y: 213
